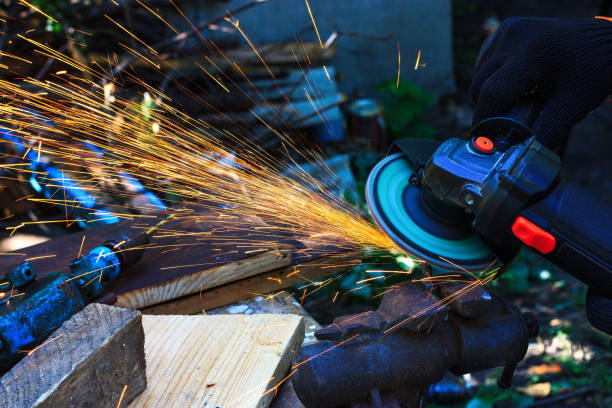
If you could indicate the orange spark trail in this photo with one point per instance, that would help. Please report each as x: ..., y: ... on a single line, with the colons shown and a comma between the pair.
x: 326, y: 73
x: 314, y: 23
x: 399, y: 64
x: 45, y: 343
x: 326, y: 351
x: 37, y: 10
x: 132, y: 35
x: 122, y: 395
x: 213, y: 78
x: 416, y: 64
x: 236, y: 24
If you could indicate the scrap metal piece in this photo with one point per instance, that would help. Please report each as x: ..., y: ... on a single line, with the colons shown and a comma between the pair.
x: 411, y: 306
x: 467, y: 299
x: 346, y: 326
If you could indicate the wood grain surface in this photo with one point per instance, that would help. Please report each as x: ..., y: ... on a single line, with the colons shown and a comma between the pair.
x: 190, y: 258
x: 303, y: 270
x: 87, y: 362
x: 226, y: 361
x: 172, y: 265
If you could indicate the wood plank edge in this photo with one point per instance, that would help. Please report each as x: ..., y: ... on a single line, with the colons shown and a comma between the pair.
x: 258, y: 284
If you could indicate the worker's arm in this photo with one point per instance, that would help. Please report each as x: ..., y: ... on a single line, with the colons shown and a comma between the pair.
x: 568, y: 60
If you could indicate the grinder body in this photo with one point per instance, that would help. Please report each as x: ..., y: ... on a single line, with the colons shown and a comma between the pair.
x: 519, y: 197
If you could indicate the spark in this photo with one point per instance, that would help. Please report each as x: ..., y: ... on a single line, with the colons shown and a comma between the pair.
x: 157, y: 15
x: 326, y: 350
x: 40, y: 257
x: 213, y: 78
x: 399, y: 64
x: 132, y: 35
x: 382, y: 293
x: 314, y: 23
x: 416, y: 64
x: 369, y: 279
x: 139, y: 55
x: 24, y: 197
x: 327, y: 73
x: 122, y: 395
x: 81, y: 248
x: 4, y: 54
x: 236, y: 25
x: 44, y: 344
x: 37, y: 10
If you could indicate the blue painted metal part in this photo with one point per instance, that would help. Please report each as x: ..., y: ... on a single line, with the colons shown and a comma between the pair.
x: 46, y: 178
x: 99, y: 266
x: 30, y: 318
x: 21, y: 275
x: 42, y: 305
x: 84, y: 203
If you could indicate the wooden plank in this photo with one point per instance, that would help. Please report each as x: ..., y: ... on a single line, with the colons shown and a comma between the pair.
x: 87, y: 362
x: 172, y: 266
x: 281, y: 302
x: 260, y: 284
x: 204, y: 279
x: 199, y: 256
x: 217, y: 361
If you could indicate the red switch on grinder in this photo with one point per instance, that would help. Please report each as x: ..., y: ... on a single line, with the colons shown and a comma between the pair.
x: 533, y: 236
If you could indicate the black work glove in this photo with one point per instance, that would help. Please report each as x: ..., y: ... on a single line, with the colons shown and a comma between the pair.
x: 569, y: 61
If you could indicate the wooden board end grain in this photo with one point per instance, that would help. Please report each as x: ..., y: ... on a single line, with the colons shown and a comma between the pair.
x: 87, y: 362
x: 226, y: 361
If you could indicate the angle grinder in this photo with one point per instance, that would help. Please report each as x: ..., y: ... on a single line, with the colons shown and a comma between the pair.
x: 466, y: 205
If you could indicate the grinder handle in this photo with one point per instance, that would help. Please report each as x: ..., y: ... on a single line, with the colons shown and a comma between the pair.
x: 513, y: 126
x: 581, y: 225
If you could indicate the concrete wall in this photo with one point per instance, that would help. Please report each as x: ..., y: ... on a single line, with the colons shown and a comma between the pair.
x: 417, y: 24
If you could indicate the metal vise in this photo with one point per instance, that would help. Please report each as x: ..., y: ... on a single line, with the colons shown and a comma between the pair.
x: 391, y: 355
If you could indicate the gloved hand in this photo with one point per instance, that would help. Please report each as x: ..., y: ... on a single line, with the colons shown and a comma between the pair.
x: 569, y: 61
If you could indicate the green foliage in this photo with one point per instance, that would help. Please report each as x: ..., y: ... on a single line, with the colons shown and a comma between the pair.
x: 375, y: 260
x: 404, y: 107
x: 526, y: 269
x: 53, y: 8
x: 516, y: 278
x: 361, y: 165
x: 488, y: 396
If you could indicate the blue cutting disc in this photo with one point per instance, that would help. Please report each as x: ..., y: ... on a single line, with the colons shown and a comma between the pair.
x: 399, y: 210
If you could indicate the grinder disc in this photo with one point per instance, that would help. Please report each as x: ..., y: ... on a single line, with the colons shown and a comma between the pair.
x: 399, y: 210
